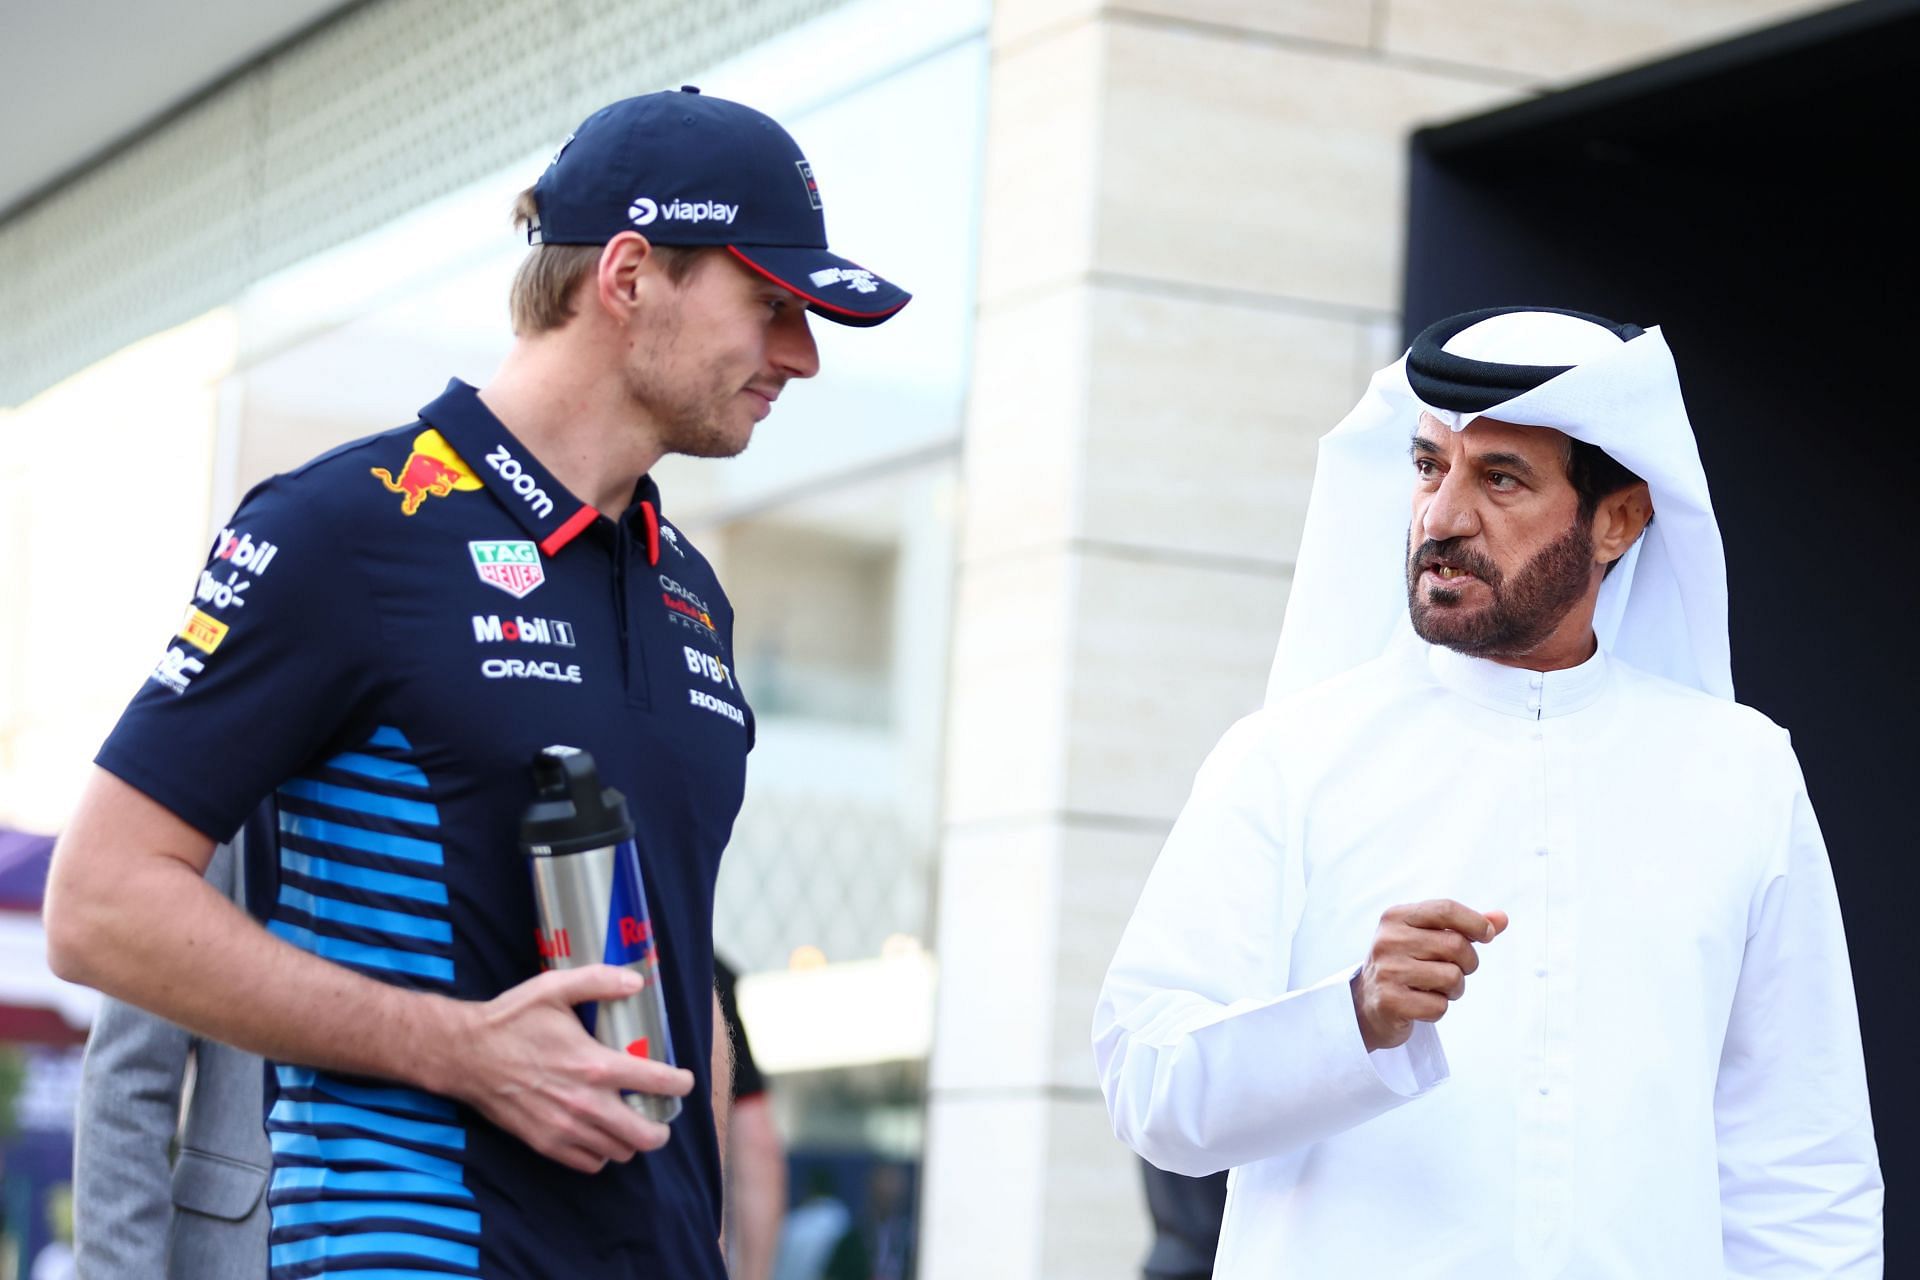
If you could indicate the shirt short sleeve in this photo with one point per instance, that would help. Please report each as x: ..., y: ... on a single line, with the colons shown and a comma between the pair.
x: 267, y: 667
x: 747, y: 1080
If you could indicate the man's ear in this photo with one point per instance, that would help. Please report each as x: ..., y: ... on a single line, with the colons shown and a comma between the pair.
x: 1619, y: 520
x: 618, y: 279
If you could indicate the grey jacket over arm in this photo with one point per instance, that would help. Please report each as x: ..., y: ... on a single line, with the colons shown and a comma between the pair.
x: 138, y: 1214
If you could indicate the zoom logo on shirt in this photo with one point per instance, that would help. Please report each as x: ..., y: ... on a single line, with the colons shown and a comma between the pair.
x: 523, y: 484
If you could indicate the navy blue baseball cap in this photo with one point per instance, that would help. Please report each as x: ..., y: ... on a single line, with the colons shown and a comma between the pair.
x: 687, y: 169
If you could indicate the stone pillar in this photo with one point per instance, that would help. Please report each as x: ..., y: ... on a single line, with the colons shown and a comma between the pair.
x: 1190, y: 263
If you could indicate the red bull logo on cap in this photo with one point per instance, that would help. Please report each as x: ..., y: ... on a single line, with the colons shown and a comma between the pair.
x: 433, y: 469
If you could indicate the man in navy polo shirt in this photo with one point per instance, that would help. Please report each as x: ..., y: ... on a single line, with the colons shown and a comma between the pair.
x: 378, y: 645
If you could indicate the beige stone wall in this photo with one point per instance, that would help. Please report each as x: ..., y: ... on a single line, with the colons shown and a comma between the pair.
x: 1191, y: 240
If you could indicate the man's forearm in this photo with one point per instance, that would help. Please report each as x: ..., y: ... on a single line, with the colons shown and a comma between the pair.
x: 757, y: 1190
x: 147, y: 928
x: 202, y: 963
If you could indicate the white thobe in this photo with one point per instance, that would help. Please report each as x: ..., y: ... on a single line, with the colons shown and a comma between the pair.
x: 1656, y: 1070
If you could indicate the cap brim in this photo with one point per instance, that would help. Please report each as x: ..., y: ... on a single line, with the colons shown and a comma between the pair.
x: 840, y: 290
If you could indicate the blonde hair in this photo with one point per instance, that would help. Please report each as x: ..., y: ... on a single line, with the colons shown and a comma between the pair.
x: 550, y: 275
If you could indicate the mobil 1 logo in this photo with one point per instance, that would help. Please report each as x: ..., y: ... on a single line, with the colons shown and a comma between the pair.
x: 491, y: 628
x: 242, y: 559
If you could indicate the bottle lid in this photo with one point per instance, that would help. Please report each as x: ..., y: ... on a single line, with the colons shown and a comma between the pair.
x: 571, y: 811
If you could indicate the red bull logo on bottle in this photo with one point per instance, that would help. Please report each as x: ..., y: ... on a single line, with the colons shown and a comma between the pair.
x: 629, y: 930
x: 433, y: 469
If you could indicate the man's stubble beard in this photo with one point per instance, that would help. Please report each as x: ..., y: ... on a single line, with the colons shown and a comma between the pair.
x: 688, y: 422
x: 1525, y: 609
x: 697, y: 435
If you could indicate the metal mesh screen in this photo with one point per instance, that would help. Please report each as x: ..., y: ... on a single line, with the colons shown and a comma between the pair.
x: 388, y: 106
x: 832, y: 873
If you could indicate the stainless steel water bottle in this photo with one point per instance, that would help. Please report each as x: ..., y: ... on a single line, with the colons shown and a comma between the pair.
x: 578, y: 839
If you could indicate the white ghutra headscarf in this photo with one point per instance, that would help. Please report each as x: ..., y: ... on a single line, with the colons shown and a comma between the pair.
x: 1663, y: 609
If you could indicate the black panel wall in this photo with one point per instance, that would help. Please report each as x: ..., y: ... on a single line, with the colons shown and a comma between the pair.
x: 1754, y: 199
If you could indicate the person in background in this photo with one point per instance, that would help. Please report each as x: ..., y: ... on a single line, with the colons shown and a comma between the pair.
x: 1186, y: 1223
x: 756, y: 1156
x: 889, y: 1226
x: 820, y: 1240
x: 205, y: 1216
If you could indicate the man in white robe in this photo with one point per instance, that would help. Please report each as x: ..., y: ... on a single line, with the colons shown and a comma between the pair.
x: 1501, y: 777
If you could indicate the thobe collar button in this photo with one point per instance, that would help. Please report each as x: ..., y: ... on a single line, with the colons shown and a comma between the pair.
x: 1516, y: 691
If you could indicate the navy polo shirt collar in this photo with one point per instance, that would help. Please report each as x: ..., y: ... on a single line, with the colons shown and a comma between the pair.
x: 542, y: 505
x: 645, y: 494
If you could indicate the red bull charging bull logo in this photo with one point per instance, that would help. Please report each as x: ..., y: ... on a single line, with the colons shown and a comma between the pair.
x: 433, y: 469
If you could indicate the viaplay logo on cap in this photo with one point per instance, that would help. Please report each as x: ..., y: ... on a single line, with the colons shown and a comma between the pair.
x: 644, y: 211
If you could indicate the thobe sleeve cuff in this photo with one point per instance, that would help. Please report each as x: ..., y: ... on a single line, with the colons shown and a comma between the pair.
x: 1412, y: 1068
x: 1409, y: 1069
x: 1258, y: 1079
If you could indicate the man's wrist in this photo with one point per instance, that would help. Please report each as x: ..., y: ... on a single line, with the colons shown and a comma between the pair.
x: 433, y: 1055
x: 1360, y: 1015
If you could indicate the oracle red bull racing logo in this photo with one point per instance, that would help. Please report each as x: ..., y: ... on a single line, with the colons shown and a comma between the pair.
x: 432, y: 470
x: 684, y: 607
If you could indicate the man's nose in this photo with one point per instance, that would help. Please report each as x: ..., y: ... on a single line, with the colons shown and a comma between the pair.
x: 794, y: 352
x: 1451, y: 512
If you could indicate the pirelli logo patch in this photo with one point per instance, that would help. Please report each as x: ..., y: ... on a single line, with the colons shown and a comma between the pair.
x: 202, y: 630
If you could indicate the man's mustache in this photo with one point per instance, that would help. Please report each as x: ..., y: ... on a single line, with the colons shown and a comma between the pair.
x: 1454, y: 552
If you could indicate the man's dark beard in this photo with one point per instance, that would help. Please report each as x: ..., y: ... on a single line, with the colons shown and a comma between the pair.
x: 1523, y: 613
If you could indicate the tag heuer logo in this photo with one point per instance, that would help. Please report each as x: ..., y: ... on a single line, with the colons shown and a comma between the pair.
x: 514, y: 567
